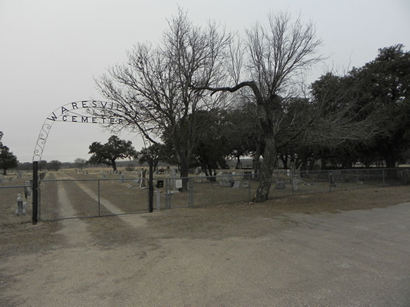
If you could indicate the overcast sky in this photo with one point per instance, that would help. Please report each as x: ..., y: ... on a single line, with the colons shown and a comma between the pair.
x: 52, y: 50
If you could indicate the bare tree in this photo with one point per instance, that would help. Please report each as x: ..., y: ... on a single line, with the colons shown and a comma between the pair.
x: 152, y: 91
x: 274, y: 54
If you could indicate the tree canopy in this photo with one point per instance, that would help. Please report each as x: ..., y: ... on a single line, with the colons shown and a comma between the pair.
x: 7, y: 159
x: 209, y: 95
x: 54, y: 165
x: 109, y: 152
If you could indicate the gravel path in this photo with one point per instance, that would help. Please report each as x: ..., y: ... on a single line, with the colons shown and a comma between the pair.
x: 193, y: 257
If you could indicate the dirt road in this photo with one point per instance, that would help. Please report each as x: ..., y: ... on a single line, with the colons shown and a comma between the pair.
x: 219, y: 256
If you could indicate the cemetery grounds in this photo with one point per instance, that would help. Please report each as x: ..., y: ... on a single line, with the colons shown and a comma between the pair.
x: 348, y: 247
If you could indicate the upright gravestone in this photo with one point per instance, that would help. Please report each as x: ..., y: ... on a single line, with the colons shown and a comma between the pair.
x: 160, y: 183
x: 178, y: 184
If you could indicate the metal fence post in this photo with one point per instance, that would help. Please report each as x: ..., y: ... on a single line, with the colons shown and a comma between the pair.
x: 190, y: 193
x: 158, y: 200
x: 40, y: 201
x: 249, y: 190
x: 330, y: 175
x: 35, y: 193
x: 99, y: 197
x: 167, y: 193
x: 151, y: 187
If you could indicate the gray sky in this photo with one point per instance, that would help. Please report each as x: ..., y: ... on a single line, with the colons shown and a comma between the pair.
x: 52, y: 50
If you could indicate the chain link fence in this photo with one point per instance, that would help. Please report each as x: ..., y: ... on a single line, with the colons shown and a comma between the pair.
x: 81, y: 196
x: 15, y: 198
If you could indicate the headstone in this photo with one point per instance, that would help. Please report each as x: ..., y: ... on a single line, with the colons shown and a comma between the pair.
x: 21, y: 208
x: 160, y: 183
x: 226, y: 180
x: 178, y: 184
x: 236, y: 184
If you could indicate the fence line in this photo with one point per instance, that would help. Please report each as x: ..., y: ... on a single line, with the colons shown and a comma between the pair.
x: 130, y: 195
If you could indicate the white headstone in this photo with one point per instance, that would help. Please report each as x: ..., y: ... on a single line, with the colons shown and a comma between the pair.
x: 178, y: 183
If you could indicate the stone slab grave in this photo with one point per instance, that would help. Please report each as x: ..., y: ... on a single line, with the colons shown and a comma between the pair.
x: 245, y: 184
x: 225, y: 180
x: 236, y: 184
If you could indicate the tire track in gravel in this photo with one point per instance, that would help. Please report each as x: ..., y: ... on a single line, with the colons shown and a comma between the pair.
x: 133, y: 220
x: 77, y: 234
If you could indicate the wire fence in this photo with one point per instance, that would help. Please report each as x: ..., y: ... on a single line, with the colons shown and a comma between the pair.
x: 15, y: 202
x: 81, y: 196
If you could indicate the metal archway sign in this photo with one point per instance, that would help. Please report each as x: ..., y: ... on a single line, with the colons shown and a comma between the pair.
x: 80, y: 112
x: 83, y: 112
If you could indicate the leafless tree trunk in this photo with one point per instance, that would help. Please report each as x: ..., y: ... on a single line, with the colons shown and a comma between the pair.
x: 275, y: 53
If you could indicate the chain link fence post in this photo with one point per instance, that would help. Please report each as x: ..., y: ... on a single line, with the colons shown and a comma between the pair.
x: 249, y: 189
x: 167, y: 193
x: 35, y: 193
x: 190, y: 193
x: 331, y: 180
x: 40, y: 201
x: 99, y: 197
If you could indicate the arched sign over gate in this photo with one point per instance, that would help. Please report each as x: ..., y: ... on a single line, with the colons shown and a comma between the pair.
x: 83, y: 112
x: 77, y: 112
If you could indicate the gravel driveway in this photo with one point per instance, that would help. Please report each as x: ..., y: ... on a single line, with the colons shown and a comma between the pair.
x: 227, y: 256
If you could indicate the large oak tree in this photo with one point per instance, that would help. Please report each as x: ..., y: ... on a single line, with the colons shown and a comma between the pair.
x: 109, y: 152
x: 7, y: 159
